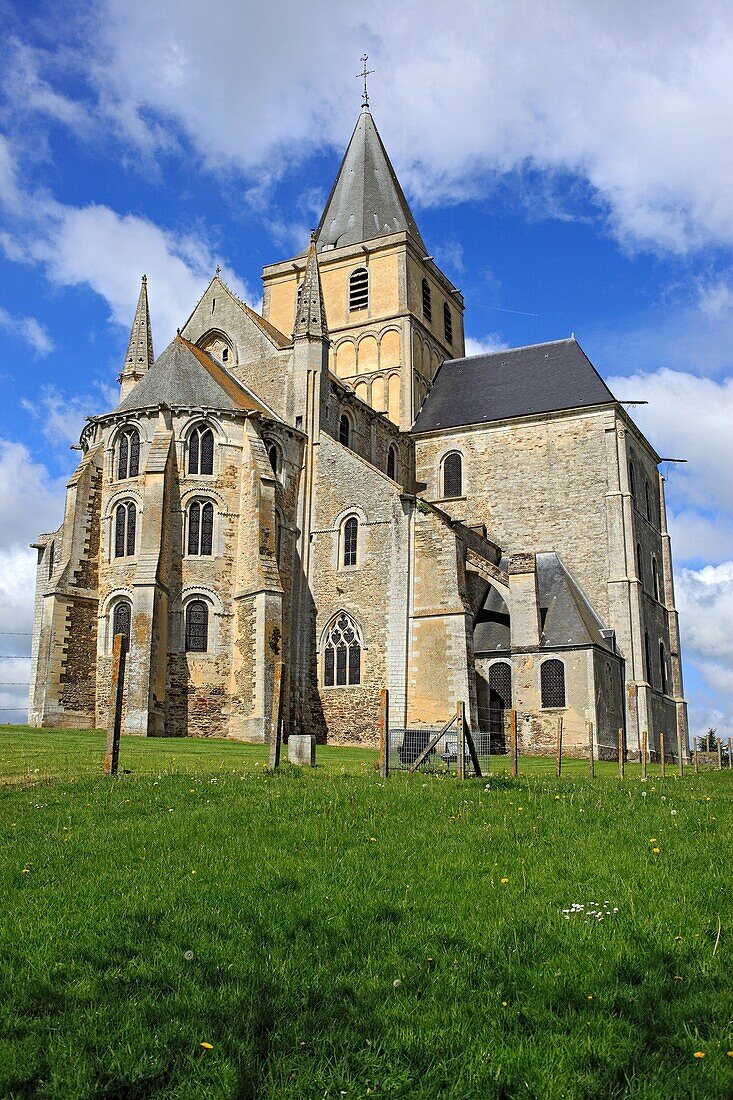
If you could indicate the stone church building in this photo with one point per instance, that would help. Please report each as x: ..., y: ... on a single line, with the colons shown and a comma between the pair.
x: 330, y: 498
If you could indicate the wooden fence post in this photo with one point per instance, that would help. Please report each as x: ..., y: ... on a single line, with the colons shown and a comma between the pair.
x: 720, y: 756
x: 694, y: 753
x: 680, y: 754
x: 277, y: 716
x: 643, y: 754
x: 621, y: 754
x: 730, y: 761
x: 662, y: 755
x: 114, y: 718
x: 384, y: 734
x: 558, y: 762
x: 461, y: 740
x: 591, y: 753
x: 513, y: 744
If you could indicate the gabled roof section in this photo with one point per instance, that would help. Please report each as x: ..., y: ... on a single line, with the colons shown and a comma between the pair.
x: 569, y: 618
x: 524, y: 381
x: 366, y: 200
x: 184, y: 376
x: 279, y: 339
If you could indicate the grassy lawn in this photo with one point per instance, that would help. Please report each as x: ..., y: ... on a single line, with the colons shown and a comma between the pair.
x: 331, y: 934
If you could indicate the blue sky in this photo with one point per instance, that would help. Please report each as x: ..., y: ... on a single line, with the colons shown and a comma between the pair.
x: 570, y: 167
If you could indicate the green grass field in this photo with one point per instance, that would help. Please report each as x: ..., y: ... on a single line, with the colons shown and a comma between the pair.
x: 330, y: 934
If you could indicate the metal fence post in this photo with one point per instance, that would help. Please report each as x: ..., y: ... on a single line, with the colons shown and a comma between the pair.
x: 384, y: 734
x: 114, y: 719
x: 461, y: 740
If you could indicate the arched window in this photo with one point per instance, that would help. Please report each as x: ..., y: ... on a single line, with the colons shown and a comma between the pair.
x: 647, y: 658
x: 342, y: 653
x: 121, y: 619
x: 655, y: 578
x: 648, y: 499
x: 640, y: 563
x: 632, y: 480
x: 552, y: 683
x: 358, y: 289
x: 447, y: 323
x: 125, y: 523
x: 500, y: 685
x: 453, y: 475
x: 128, y: 454
x: 201, y: 450
x: 427, y: 307
x: 197, y: 627
x: 224, y: 355
x: 663, y: 667
x: 201, y: 528
x: 349, y: 541
x: 345, y: 430
x: 273, y: 454
x: 392, y: 462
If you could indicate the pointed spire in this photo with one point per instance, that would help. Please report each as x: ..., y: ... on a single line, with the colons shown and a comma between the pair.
x: 310, y: 314
x: 139, y: 358
x: 366, y: 200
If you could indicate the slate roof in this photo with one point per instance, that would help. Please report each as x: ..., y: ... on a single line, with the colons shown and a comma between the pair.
x: 184, y: 376
x: 518, y: 382
x: 366, y: 200
x: 568, y: 617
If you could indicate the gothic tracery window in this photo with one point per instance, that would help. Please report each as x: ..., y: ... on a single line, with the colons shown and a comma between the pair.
x: 201, y: 450
x: 552, y: 683
x: 128, y: 454
x: 342, y: 653
x: 201, y: 528
x: 197, y: 627
x: 125, y: 524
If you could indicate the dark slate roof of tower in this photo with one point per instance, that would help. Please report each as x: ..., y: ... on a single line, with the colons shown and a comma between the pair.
x: 524, y: 381
x: 366, y: 200
x: 184, y: 376
x: 568, y: 617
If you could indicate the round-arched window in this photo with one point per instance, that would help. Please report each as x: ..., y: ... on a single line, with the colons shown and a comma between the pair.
x: 201, y: 450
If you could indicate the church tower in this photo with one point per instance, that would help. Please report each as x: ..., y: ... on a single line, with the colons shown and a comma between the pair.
x: 393, y: 316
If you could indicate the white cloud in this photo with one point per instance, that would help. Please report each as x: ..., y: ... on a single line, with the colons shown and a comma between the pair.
x: 485, y: 345
x: 687, y: 417
x: 634, y: 98
x: 696, y: 537
x: 28, y: 329
x: 705, y: 603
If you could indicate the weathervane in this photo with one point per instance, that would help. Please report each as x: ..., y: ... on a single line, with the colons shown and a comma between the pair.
x: 364, y: 74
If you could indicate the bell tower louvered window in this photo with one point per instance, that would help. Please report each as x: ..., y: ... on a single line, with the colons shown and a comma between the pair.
x: 197, y: 627
x: 552, y: 683
x: 427, y: 305
x: 201, y: 528
x: 359, y: 289
x: 125, y: 524
x: 121, y: 619
x: 453, y: 475
x: 201, y: 451
x: 128, y: 454
x: 342, y: 654
x: 447, y: 323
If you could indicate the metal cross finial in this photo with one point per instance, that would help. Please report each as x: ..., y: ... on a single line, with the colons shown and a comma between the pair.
x: 364, y: 74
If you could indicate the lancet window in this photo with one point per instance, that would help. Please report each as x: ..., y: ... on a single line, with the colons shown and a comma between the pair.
x: 128, y: 454
x: 197, y: 627
x: 201, y: 528
x: 342, y: 653
x: 201, y: 450
x: 453, y: 475
x: 121, y: 618
x: 125, y: 524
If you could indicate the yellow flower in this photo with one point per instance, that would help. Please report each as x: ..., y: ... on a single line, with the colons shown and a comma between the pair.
x: 207, y: 1046
x: 503, y: 1004
x: 373, y: 839
x: 656, y: 851
x: 504, y: 881
x: 652, y: 840
x: 590, y: 996
x: 26, y: 871
x: 699, y: 1053
x: 729, y: 1053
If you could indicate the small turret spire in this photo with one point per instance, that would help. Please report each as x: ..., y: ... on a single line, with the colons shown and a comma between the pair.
x: 310, y: 315
x: 139, y: 358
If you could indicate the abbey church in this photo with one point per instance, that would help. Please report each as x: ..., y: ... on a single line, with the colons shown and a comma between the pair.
x: 289, y: 511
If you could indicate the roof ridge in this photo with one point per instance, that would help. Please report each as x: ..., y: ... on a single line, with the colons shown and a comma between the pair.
x: 519, y: 347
